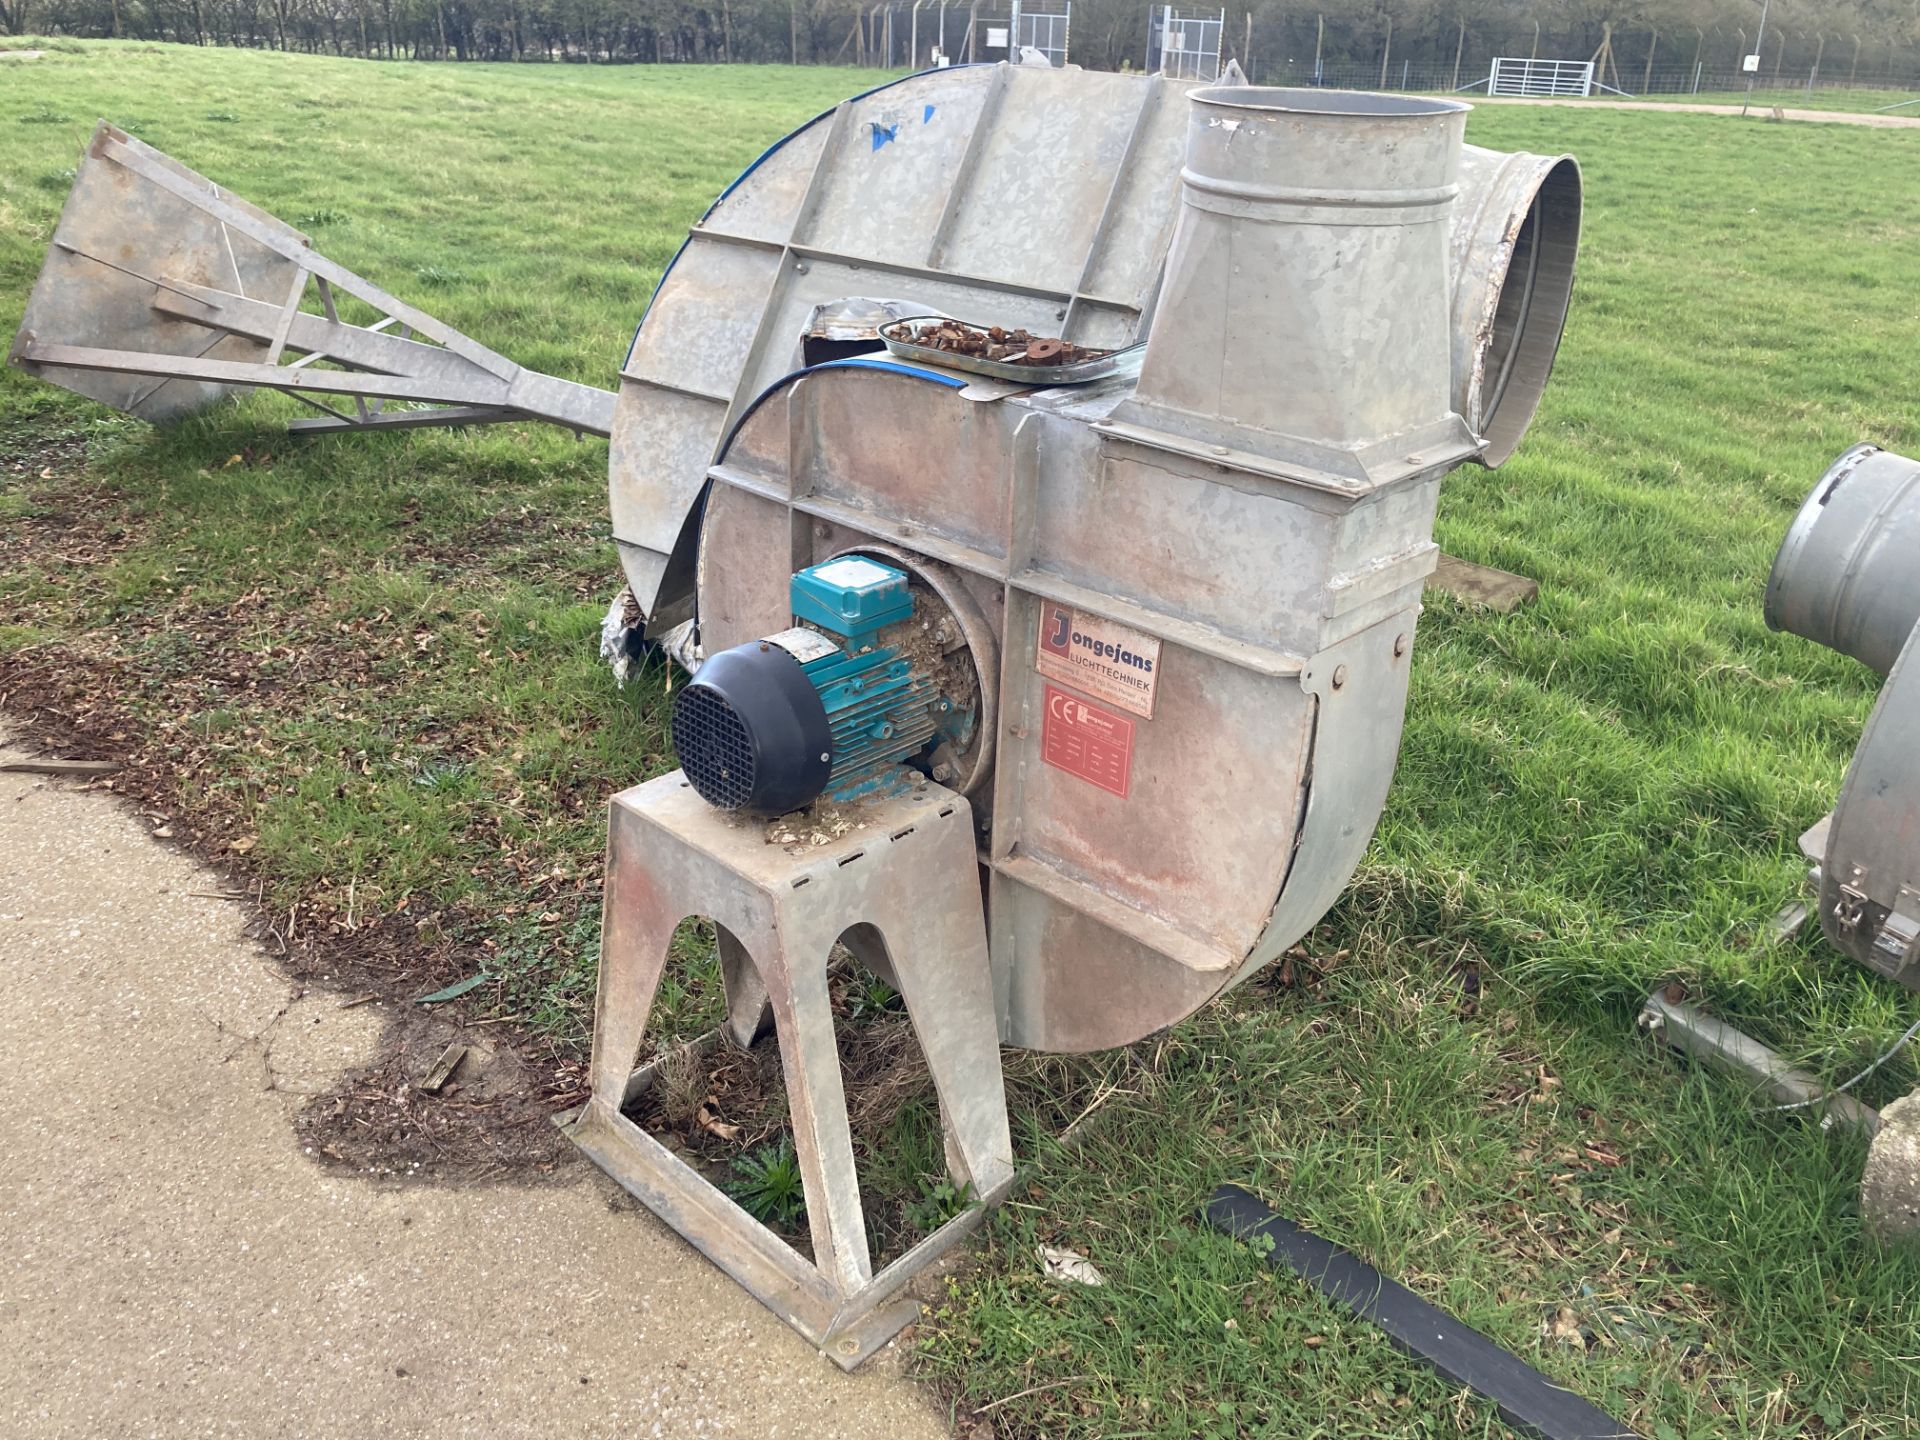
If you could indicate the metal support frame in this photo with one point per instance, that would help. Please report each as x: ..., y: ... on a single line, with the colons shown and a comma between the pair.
x: 128, y: 291
x: 1695, y: 1033
x: 909, y: 875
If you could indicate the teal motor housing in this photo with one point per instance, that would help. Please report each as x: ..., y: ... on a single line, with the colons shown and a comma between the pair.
x: 823, y: 709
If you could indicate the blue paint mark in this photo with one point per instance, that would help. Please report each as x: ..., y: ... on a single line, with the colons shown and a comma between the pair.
x: 883, y: 133
x: 764, y: 157
x: 926, y: 114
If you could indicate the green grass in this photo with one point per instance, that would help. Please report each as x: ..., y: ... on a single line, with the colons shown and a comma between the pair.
x: 376, y: 655
x: 1797, y: 97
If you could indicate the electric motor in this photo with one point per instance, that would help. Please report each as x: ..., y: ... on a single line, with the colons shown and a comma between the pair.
x: 834, y: 706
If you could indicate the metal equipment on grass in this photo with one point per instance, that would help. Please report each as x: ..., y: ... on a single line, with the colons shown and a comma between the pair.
x: 1104, y: 681
x: 1848, y: 577
x: 162, y: 293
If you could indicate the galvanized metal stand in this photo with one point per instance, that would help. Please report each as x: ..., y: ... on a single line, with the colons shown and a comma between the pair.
x: 908, y: 875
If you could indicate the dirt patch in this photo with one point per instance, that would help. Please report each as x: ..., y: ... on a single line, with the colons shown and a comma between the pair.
x: 491, y: 1119
x: 100, y: 696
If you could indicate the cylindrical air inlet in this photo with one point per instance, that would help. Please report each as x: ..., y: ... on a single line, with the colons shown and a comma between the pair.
x: 1848, y: 573
x: 1307, y: 291
x: 1515, y: 237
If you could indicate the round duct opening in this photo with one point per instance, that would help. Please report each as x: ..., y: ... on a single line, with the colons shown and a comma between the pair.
x: 1844, y: 577
x: 1533, y: 288
x: 1283, y: 100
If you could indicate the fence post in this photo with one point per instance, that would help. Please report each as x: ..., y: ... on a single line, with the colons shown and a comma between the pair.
x: 1386, y: 50
x: 1459, y: 46
x: 1646, y: 76
x: 1779, y: 54
x: 1818, y: 51
x: 1320, y: 34
x: 1536, y: 42
x: 1855, y: 71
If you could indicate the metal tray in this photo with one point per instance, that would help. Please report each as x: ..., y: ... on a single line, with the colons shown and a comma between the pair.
x: 897, y: 338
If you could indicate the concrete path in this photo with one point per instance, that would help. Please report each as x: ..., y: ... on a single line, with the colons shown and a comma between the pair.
x: 171, y: 1265
x: 1826, y: 117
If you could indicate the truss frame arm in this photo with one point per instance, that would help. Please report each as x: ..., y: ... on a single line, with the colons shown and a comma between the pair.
x: 111, y: 147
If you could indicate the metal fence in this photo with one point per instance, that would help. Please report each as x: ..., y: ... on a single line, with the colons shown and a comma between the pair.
x: 1185, y: 44
x: 1047, y: 33
x: 1297, y: 48
x: 1469, y: 80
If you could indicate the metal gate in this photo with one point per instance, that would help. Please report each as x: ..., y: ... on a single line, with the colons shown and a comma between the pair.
x: 1046, y: 32
x: 1540, y: 77
x: 1185, y: 46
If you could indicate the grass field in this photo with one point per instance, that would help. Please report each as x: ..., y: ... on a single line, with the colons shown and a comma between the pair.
x: 361, y: 670
x: 1798, y: 97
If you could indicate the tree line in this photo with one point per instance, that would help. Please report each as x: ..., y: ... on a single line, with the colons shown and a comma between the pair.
x: 1867, y: 40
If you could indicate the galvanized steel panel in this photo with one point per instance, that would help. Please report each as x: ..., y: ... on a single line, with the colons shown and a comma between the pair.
x: 993, y: 192
x: 700, y: 332
x: 118, y: 235
x: 1036, y: 194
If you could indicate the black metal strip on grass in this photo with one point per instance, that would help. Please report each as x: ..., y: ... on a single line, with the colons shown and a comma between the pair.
x: 1527, y: 1400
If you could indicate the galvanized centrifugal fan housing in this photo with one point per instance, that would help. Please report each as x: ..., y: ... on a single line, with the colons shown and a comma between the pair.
x: 1248, y: 513
x: 1021, y: 196
x: 1103, y: 681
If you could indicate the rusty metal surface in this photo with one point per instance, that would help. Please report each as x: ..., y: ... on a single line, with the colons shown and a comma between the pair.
x: 1040, y: 361
x: 906, y: 877
x: 1515, y: 236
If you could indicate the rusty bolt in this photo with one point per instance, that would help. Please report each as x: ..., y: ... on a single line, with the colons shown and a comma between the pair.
x: 1339, y: 676
x: 943, y: 773
x: 1400, y: 643
x: 1041, y: 351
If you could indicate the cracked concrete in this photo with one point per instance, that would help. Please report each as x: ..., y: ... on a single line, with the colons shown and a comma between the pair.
x: 171, y: 1265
